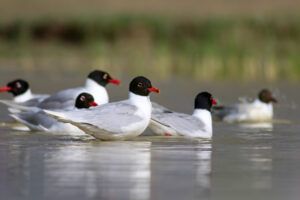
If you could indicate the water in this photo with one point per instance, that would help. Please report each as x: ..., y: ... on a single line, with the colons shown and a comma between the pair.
x: 254, y: 161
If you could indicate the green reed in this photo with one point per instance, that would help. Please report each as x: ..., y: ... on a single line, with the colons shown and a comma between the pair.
x: 241, y: 48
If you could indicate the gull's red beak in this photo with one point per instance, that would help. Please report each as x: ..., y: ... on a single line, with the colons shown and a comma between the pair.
x: 5, y: 89
x: 214, y: 102
x: 114, y: 81
x: 93, y: 103
x: 153, y: 89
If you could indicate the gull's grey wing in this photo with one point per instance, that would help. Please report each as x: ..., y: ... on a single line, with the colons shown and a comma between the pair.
x: 64, y: 99
x: 35, y: 120
x: 34, y: 101
x: 31, y: 102
x: 181, y: 122
x: 156, y: 108
x: 17, y: 107
x: 25, y: 106
x: 112, y: 117
x: 221, y: 111
x: 40, y: 97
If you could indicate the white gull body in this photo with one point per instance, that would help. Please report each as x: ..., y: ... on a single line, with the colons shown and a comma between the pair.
x: 164, y: 121
x: 112, y: 121
x: 256, y: 111
x: 62, y: 100
x: 30, y: 112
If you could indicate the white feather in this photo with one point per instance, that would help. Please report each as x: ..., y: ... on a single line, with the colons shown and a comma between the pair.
x: 165, y: 121
x: 256, y: 111
x: 112, y: 121
x: 26, y: 96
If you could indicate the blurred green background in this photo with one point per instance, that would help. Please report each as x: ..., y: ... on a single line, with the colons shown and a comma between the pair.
x: 198, y: 39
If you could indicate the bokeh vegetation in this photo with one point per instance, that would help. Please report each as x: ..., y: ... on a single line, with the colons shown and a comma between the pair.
x: 242, y: 48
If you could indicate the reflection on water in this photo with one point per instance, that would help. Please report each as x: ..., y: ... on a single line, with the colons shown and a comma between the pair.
x: 244, y: 164
x: 181, y: 171
x: 239, y: 163
x: 204, y: 166
x: 243, y: 161
x: 103, y: 167
x: 258, y: 126
x: 38, y: 166
x: 78, y: 170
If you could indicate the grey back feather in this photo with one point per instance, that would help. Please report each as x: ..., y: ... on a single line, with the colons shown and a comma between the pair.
x: 112, y: 117
x: 35, y: 120
x: 64, y: 99
x: 182, y: 123
x: 220, y: 112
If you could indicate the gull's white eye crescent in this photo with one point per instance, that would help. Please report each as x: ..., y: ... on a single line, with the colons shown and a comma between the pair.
x: 82, y: 98
x: 18, y: 85
x: 140, y: 84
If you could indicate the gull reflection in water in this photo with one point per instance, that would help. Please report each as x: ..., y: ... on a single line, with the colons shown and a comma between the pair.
x: 204, y: 166
x: 242, y: 163
x: 154, y: 169
x: 110, y: 170
x: 258, y: 152
x: 181, y: 171
x: 268, y: 126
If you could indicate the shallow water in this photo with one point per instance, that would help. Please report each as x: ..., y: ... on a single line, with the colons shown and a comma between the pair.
x: 254, y: 161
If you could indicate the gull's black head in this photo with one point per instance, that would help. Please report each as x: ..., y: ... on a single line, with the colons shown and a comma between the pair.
x: 266, y: 96
x: 204, y: 100
x: 16, y: 87
x: 102, y: 78
x: 85, y: 100
x: 142, y: 86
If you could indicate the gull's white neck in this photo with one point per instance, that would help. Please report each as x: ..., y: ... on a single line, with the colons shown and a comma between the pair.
x: 205, y: 116
x: 97, y: 91
x: 23, y: 97
x: 142, y: 103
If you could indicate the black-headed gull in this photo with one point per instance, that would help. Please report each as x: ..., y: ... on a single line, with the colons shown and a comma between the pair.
x: 22, y: 92
x: 94, y: 85
x: 261, y: 109
x: 39, y: 121
x: 64, y: 100
x: 170, y: 123
x: 118, y: 120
